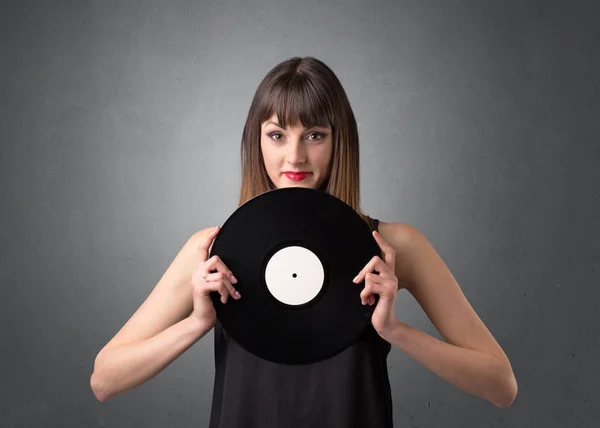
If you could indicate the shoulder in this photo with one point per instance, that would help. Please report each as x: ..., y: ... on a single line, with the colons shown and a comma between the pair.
x: 410, y: 246
x: 401, y: 236
x: 196, y: 239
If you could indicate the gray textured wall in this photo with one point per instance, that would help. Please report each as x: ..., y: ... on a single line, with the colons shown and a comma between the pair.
x: 120, y: 128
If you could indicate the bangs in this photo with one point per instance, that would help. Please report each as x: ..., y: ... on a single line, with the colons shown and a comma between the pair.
x: 297, y: 101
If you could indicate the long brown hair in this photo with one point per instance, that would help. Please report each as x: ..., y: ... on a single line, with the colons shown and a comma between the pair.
x: 305, y: 90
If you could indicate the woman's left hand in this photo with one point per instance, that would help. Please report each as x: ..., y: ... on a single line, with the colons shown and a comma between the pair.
x: 384, y: 284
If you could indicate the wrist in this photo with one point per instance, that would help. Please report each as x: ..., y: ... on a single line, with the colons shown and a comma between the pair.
x: 198, y: 326
x: 394, y: 331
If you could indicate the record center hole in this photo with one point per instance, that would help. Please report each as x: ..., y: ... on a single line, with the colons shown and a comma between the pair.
x: 294, y: 275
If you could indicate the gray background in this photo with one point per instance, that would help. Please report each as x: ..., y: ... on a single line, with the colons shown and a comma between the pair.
x: 120, y: 131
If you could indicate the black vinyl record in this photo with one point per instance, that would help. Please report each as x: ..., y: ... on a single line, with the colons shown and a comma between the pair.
x: 295, y: 252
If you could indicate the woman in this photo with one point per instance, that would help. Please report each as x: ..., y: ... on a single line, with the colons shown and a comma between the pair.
x: 301, y: 131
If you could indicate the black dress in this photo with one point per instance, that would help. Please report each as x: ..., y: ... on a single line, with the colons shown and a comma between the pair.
x: 349, y: 390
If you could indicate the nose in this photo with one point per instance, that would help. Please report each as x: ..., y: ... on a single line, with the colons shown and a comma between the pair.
x: 296, y: 153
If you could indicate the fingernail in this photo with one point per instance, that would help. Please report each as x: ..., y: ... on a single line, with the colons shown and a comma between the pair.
x: 355, y: 278
x: 234, y: 279
x: 237, y: 294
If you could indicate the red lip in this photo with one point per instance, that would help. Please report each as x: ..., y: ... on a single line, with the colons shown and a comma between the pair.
x: 296, y: 176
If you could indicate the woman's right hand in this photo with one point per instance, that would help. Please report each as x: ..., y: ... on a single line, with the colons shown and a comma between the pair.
x: 221, y: 281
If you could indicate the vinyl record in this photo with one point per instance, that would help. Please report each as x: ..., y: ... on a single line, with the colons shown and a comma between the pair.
x: 295, y: 252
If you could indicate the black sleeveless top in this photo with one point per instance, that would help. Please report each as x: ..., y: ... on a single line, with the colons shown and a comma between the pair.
x: 348, y: 390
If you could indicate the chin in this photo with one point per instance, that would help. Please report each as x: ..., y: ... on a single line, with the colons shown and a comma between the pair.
x: 285, y: 185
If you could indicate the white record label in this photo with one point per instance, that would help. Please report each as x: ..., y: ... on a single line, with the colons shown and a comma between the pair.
x: 294, y: 275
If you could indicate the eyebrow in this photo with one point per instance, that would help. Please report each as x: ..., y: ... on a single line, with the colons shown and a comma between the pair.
x: 276, y: 124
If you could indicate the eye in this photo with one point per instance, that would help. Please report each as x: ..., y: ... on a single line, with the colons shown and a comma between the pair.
x: 318, y: 134
x: 273, y: 134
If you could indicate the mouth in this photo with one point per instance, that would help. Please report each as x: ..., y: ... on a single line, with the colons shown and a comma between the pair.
x: 297, y: 176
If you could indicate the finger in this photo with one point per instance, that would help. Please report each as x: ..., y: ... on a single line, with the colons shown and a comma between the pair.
x: 215, y: 263
x: 372, y: 282
x: 375, y: 264
x: 388, y: 251
x: 369, y: 299
x: 219, y: 287
x: 365, y: 295
x: 218, y: 277
x: 368, y: 295
x: 205, y: 288
x: 368, y: 268
x: 205, y: 244
x: 378, y: 285
x: 222, y: 290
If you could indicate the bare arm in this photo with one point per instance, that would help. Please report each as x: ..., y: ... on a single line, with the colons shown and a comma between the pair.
x: 124, y: 367
x: 156, y: 334
x: 470, y: 357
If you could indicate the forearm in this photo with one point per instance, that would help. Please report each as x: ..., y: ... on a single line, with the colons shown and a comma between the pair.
x: 124, y: 367
x: 478, y: 373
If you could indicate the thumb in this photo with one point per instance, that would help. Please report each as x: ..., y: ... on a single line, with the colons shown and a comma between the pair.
x: 205, y: 244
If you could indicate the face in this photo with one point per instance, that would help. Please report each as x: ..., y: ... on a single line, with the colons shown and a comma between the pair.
x: 296, y: 149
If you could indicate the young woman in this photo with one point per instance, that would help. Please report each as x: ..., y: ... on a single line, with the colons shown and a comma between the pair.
x: 301, y: 131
